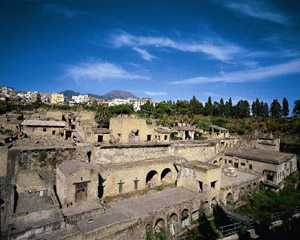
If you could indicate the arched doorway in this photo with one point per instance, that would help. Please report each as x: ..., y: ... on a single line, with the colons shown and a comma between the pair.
x: 148, y: 232
x: 151, y: 178
x: 173, y: 224
x: 185, y: 218
x: 215, y: 162
x: 229, y: 199
x: 166, y: 175
x: 159, y: 229
x: 89, y: 153
x: 221, y: 162
x: 101, y: 181
x: 242, y: 191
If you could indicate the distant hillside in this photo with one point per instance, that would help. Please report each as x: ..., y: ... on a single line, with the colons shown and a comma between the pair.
x: 70, y: 93
x: 111, y: 95
x: 118, y: 94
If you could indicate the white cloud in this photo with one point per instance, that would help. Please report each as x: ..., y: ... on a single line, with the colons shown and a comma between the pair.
x: 156, y: 93
x: 63, y: 11
x: 222, y: 51
x: 99, y: 71
x: 144, y: 54
x: 257, y: 10
x: 248, y: 75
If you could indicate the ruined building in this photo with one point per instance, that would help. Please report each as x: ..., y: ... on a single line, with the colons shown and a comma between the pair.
x: 67, y: 178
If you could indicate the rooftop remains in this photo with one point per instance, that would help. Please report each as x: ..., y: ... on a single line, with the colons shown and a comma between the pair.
x: 185, y: 128
x: 138, y: 207
x: 241, y: 177
x: 218, y: 128
x: 259, y: 155
x: 101, y: 130
x: 162, y: 130
x: 36, y: 219
x: 72, y: 166
x: 43, y: 123
x: 201, y: 165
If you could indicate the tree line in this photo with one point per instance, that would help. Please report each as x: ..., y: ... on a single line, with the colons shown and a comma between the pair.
x: 223, y: 109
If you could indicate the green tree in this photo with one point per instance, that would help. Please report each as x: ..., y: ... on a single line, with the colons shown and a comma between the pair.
x: 242, y: 109
x: 183, y: 107
x: 229, y: 108
x: 208, y: 109
x: 275, y: 109
x: 147, y: 108
x: 258, y: 108
x: 222, y: 107
x: 120, y: 109
x: 101, y: 116
x: 196, y: 106
x: 285, y: 107
x: 253, y: 109
x: 296, y: 109
x: 161, y: 109
x: 216, y: 109
x: 265, y: 111
x: 203, y: 124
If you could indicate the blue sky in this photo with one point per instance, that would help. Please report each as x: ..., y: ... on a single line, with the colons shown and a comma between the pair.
x: 159, y: 49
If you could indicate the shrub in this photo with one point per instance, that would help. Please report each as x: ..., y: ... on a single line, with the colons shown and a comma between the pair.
x: 43, y: 156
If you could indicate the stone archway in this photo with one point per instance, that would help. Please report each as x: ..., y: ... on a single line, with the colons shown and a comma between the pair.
x: 151, y: 178
x: 216, y: 162
x: 185, y: 218
x: 173, y: 224
x: 229, y: 199
x: 148, y: 232
x: 221, y: 161
x: 159, y: 229
x: 166, y: 175
x: 242, y: 191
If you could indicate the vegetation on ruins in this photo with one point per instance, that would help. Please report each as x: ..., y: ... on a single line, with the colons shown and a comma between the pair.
x: 102, y: 116
x: 264, y: 203
x: 223, y: 113
x: 206, y: 229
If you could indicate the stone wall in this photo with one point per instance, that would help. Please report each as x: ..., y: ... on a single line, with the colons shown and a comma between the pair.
x: 122, y: 126
x: 163, y: 170
x: 199, y: 152
x: 284, y: 169
x: 3, y: 161
x: 129, y: 153
x: 65, y: 184
x: 22, y: 158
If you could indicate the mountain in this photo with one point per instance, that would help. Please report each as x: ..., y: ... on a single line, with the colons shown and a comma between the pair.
x: 118, y: 94
x: 70, y: 93
x: 110, y: 95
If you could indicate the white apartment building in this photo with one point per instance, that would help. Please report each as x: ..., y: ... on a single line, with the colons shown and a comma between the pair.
x: 136, y: 102
x: 81, y: 98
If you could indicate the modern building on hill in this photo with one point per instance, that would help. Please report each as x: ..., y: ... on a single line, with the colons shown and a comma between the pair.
x: 57, y: 98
